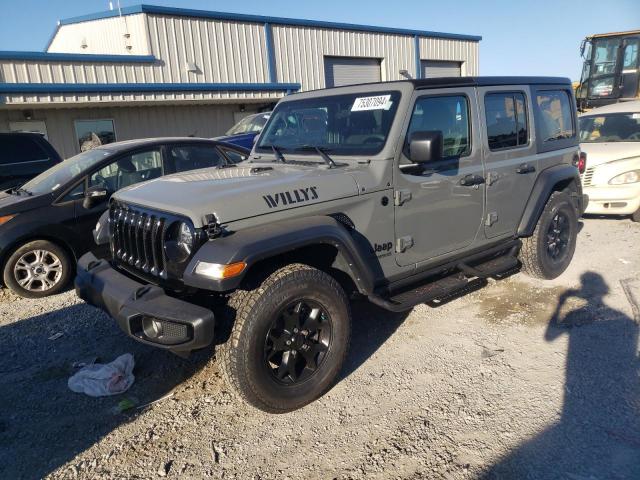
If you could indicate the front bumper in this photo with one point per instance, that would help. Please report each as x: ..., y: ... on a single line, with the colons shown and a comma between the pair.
x: 144, y: 312
x: 613, y: 199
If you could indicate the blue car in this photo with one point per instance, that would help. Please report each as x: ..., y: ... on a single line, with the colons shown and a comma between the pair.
x: 244, y: 132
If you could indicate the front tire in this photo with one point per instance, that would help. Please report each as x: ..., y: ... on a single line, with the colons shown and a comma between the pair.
x: 289, y: 339
x: 38, y: 269
x: 635, y: 216
x: 548, y: 252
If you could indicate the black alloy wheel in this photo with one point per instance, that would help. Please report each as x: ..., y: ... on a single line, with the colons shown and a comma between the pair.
x: 558, y: 236
x: 548, y: 252
x: 288, y: 337
x: 297, y: 342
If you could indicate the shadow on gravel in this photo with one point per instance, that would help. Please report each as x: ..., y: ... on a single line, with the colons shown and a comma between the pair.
x: 43, y: 424
x: 371, y: 328
x: 598, y: 433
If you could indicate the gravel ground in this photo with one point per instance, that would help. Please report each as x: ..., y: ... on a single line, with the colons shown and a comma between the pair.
x: 523, y: 379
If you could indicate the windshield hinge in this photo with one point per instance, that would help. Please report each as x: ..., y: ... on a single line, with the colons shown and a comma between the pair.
x: 404, y: 243
x: 212, y: 227
x: 400, y: 197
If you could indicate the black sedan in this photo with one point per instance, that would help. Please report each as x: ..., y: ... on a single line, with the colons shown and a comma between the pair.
x: 47, y: 224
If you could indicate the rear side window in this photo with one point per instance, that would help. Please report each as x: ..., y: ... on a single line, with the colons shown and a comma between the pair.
x: 192, y: 157
x: 506, y: 115
x: 556, y: 115
x: 233, y: 155
x: 20, y: 148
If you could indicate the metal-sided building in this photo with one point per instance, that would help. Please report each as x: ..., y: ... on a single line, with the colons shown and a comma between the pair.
x: 153, y: 71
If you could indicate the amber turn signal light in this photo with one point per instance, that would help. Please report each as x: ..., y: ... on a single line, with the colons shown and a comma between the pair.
x: 4, y: 219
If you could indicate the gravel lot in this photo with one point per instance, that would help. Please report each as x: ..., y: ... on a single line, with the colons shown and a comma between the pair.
x: 523, y: 379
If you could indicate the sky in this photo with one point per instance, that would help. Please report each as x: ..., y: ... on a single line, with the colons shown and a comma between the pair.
x: 520, y: 37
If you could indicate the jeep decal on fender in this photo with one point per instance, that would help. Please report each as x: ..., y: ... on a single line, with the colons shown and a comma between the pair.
x: 290, y: 197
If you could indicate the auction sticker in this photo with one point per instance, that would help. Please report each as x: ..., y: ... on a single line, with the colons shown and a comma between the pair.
x: 379, y: 102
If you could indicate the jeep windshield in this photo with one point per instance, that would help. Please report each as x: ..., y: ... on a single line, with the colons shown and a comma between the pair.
x: 351, y: 124
x: 617, y: 127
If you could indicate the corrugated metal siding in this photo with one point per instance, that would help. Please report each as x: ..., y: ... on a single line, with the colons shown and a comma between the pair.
x: 130, y: 122
x: 300, y: 52
x: 104, y: 36
x: 444, y: 49
x: 21, y: 71
x: 225, y: 52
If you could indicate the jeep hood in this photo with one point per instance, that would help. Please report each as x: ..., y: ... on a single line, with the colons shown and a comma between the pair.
x: 235, y: 193
x: 598, y: 153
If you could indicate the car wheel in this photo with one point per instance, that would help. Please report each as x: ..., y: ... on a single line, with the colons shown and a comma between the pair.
x: 38, y: 269
x: 548, y: 252
x: 289, y: 339
x: 635, y: 216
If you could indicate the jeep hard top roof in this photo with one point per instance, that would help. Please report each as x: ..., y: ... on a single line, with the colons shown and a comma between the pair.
x: 486, y: 81
x: 443, y: 82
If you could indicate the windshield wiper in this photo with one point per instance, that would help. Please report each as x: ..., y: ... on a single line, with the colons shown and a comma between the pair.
x: 277, y: 152
x: 323, y: 154
x: 19, y: 190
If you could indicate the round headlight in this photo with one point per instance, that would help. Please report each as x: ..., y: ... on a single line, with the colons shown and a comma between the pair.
x: 185, y: 237
x: 180, y: 241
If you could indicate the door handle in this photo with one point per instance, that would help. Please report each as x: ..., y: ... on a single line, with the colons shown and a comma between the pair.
x: 471, y: 180
x: 525, y: 168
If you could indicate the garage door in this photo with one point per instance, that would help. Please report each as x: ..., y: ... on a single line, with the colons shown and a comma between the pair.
x: 438, y: 68
x: 349, y: 71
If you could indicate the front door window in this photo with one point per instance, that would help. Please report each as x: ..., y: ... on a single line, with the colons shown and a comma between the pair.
x: 128, y: 170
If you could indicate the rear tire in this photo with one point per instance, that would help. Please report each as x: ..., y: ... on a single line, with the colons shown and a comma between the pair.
x: 38, y: 269
x: 289, y: 339
x: 548, y: 252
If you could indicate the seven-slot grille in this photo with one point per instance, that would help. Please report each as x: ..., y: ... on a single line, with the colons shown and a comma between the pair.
x: 587, y: 177
x: 137, y: 239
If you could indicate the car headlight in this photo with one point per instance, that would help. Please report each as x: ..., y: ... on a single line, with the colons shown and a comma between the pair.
x: 179, y: 242
x: 627, y: 177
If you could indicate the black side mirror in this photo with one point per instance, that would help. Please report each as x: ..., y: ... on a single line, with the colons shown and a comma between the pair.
x: 95, y: 195
x: 425, y: 146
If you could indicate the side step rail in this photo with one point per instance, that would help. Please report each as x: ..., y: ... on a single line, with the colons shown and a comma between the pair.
x: 438, y: 292
x: 495, y: 268
x: 434, y: 293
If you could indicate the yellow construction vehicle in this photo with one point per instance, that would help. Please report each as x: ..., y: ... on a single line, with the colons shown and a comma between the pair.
x: 611, y: 69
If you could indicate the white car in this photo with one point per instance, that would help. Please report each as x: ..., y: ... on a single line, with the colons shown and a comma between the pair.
x: 610, y: 136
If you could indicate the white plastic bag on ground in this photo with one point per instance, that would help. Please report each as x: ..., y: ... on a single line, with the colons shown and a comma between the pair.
x: 99, y: 380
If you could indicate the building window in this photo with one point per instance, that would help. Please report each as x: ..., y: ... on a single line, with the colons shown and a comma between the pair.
x: 35, y: 126
x: 506, y: 120
x: 556, y: 115
x: 93, y: 133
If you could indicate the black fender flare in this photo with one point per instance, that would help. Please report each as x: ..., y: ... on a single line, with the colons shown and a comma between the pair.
x: 262, y: 242
x: 544, y: 185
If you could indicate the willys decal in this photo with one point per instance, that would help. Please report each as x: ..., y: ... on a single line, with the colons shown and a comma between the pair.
x: 299, y: 195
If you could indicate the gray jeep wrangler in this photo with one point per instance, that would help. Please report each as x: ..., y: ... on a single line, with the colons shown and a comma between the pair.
x: 403, y: 193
